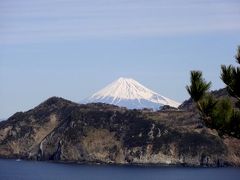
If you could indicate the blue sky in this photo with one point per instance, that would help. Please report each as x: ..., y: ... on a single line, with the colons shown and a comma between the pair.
x: 72, y: 48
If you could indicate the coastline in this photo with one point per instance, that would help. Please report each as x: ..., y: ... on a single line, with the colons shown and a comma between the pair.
x: 141, y: 165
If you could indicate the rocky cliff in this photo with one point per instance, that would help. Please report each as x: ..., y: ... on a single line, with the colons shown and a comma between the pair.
x: 61, y: 130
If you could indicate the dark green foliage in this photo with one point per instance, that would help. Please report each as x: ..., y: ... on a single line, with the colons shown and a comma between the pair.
x: 230, y: 75
x: 207, y: 107
x: 197, y: 90
x: 238, y: 55
x: 226, y: 74
x: 218, y: 114
x: 222, y: 115
x: 198, y: 86
x: 235, y: 124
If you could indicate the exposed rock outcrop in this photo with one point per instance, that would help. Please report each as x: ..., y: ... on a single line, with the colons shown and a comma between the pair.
x: 61, y: 130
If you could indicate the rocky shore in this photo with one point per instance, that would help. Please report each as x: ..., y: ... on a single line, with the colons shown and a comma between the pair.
x: 62, y: 131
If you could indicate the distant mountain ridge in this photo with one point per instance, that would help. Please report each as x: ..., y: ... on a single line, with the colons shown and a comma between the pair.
x: 127, y: 92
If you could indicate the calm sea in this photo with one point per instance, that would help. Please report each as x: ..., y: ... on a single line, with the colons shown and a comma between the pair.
x: 31, y: 170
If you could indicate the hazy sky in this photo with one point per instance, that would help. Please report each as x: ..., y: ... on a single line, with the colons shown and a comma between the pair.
x: 72, y: 48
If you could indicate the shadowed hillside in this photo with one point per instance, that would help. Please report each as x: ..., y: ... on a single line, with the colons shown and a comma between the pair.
x: 61, y: 130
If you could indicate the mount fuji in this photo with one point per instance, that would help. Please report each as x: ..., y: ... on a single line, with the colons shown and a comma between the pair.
x: 127, y: 92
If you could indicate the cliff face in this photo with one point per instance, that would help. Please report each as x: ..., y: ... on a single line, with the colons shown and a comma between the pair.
x: 60, y: 130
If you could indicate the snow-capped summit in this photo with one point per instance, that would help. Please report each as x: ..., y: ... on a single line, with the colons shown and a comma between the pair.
x: 129, y: 93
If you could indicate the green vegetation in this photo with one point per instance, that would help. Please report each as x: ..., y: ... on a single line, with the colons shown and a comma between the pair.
x: 219, y: 114
x: 198, y: 87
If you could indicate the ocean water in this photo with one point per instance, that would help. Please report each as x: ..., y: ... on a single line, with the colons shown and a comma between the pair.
x: 32, y: 170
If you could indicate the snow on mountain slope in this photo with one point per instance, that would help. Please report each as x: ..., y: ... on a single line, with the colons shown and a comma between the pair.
x: 129, y: 93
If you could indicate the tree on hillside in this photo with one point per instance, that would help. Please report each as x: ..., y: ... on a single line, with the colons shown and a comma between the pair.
x: 208, y: 104
x: 198, y: 89
x: 237, y: 57
x: 218, y: 114
x: 230, y: 75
